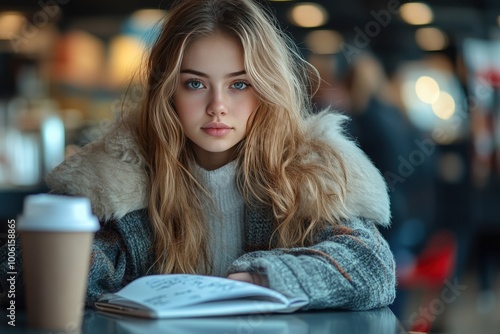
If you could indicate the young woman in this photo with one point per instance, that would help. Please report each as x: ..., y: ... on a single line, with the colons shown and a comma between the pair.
x: 223, y: 171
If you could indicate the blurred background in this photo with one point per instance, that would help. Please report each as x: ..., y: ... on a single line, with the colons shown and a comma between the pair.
x: 420, y: 81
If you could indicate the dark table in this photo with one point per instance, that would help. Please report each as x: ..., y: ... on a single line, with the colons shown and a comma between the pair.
x: 379, y: 321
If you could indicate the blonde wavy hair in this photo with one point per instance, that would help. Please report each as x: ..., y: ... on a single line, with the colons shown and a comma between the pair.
x: 275, y: 169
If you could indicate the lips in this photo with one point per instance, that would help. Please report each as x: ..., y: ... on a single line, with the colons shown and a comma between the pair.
x: 216, y: 129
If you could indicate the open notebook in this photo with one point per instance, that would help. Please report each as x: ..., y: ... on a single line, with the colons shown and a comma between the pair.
x: 181, y: 296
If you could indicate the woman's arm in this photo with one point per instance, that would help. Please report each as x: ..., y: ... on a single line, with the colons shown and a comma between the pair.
x: 121, y: 252
x: 354, y: 271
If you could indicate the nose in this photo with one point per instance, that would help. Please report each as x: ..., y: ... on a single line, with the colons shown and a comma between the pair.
x: 217, y: 105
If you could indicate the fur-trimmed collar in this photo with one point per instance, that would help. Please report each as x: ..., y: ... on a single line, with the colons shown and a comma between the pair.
x: 111, y: 174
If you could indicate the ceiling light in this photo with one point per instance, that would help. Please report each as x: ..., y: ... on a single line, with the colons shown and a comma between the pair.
x: 324, y: 41
x: 10, y: 24
x: 431, y: 39
x: 444, y: 106
x: 416, y: 13
x: 308, y: 15
x: 427, y: 89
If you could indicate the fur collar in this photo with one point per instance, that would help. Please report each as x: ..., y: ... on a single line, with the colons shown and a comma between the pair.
x: 110, y: 173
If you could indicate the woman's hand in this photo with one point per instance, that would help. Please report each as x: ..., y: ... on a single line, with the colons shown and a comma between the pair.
x: 253, y: 278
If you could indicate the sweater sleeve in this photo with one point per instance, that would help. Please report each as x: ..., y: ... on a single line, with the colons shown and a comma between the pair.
x: 353, y: 271
x: 121, y: 252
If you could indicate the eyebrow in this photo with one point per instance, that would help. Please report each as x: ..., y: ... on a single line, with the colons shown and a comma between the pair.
x: 201, y: 74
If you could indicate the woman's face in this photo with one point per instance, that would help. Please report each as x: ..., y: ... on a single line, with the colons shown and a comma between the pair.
x: 214, y: 98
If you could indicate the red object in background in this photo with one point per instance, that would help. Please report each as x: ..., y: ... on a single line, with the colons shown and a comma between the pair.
x: 433, y: 267
x: 491, y: 76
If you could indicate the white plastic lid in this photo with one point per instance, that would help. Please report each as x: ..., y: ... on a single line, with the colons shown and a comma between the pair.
x: 46, y: 212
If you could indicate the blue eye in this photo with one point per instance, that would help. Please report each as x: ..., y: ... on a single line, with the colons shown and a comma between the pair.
x: 195, y: 84
x: 240, y: 85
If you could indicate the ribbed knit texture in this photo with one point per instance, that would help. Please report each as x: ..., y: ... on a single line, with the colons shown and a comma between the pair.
x: 226, y: 226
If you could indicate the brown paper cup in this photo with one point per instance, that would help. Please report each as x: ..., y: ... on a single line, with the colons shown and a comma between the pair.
x: 56, y: 266
x: 56, y: 238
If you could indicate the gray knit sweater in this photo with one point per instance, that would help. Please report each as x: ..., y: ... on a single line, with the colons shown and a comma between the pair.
x: 226, y: 223
x: 353, y: 271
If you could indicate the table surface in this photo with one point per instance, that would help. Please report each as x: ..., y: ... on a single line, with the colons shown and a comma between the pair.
x: 311, y: 322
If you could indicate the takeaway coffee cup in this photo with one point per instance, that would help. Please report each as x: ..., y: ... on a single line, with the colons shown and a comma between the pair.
x: 56, y: 237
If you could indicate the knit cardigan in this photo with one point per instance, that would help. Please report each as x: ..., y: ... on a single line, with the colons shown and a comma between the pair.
x: 354, y: 271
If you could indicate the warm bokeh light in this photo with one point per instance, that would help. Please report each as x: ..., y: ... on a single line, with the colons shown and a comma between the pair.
x: 146, y: 18
x: 10, y: 24
x: 79, y: 59
x: 431, y: 39
x: 324, y: 41
x: 416, y: 13
x: 126, y: 55
x: 308, y: 15
x: 444, y: 106
x: 427, y: 89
